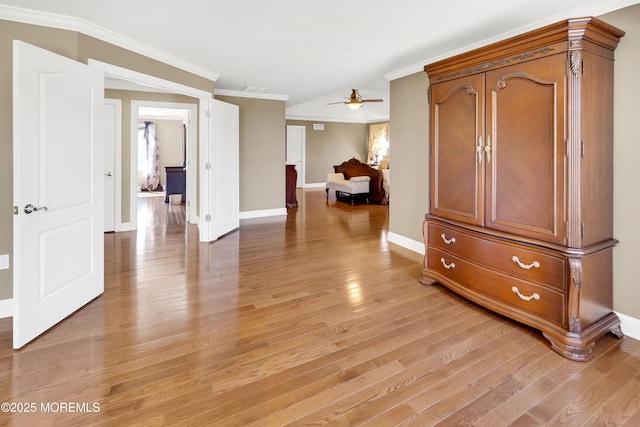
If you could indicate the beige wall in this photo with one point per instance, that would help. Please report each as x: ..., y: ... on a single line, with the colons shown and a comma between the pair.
x: 626, y: 193
x: 409, y: 155
x: 91, y: 48
x: 338, y: 142
x: 262, y: 153
x: 78, y: 47
x: 409, y: 129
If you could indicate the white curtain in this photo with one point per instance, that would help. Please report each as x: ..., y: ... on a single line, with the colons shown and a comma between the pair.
x: 378, y: 142
x: 150, y: 158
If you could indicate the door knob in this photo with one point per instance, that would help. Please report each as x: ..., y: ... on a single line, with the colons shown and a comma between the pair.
x: 107, y: 174
x: 30, y: 208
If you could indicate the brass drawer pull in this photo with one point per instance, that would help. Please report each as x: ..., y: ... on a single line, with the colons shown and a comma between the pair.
x: 524, y: 297
x: 447, y: 266
x: 534, y: 264
x: 448, y: 241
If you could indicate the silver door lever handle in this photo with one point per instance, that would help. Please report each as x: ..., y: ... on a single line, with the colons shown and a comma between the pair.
x: 30, y: 208
x: 107, y: 174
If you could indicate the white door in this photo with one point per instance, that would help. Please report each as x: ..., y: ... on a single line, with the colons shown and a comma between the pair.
x: 57, y: 169
x: 220, y: 164
x: 112, y: 129
x: 295, y: 151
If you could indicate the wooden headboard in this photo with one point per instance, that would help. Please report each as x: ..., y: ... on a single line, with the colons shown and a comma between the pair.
x: 355, y: 167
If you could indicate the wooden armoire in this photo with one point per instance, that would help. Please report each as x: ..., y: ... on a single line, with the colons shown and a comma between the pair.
x: 521, y: 180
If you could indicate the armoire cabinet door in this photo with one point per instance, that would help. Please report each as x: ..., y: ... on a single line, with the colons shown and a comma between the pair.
x: 455, y: 170
x: 525, y: 159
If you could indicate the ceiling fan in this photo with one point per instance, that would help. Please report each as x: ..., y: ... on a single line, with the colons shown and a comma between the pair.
x: 355, y: 101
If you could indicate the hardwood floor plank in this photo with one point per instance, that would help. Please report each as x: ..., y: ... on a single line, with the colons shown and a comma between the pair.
x: 615, y: 369
x: 309, y: 318
x: 537, y: 384
x: 572, y: 379
x: 461, y: 389
x: 385, y: 395
x: 620, y: 408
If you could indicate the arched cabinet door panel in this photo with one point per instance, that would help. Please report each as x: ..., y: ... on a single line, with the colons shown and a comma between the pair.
x: 456, y: 117
x: 525, y: 155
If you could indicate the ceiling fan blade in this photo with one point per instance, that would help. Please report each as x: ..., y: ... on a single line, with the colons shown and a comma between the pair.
x: 355, y: 101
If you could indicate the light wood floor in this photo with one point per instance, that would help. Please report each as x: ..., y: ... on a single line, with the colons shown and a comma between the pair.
x: 309, y: 319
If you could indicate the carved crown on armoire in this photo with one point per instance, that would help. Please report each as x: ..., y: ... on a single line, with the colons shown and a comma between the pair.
x: 520, y: 214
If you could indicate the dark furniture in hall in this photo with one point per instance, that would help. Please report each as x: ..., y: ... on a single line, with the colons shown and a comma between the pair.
x: 291, y: 180
x: 176, y: 182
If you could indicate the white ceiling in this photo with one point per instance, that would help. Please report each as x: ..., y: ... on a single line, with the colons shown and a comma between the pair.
x: 315, y: 52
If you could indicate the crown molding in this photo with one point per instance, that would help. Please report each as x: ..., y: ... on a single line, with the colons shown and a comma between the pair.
x: 595, y: 8
x: 63, y: 22
x: 368, y: 120
x: 245, y: 94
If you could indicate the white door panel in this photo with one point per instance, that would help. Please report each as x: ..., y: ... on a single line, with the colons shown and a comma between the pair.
x: 296, y: 151
x: 58, y: 169
x: 220, y: 163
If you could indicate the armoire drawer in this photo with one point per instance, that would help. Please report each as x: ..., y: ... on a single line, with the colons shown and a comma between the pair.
x: 503, y: 257
x: 524, y: 295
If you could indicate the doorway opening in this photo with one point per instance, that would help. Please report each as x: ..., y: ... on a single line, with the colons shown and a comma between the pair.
x: 296, y: 146
x: 166, y: 136
x: 175, y: 131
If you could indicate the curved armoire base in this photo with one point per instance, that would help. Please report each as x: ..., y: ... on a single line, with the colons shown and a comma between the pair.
x: 572, y: 345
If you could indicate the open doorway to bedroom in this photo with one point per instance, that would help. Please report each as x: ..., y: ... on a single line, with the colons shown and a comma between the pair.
x: 165, y: 151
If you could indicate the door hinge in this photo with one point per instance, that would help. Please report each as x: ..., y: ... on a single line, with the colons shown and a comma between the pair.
x: 582, y: 149
x: 207, y: 165
x: 207, y: 218
x: 429, y: 95
x: 207, y: 113
x: 16, y: 210
x: 582, y: 231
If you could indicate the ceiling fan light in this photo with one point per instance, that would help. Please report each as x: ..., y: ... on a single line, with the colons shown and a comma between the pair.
x: 354, y: 105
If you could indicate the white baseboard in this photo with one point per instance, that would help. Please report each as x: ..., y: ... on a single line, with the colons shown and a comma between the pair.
x: 125, y: 226
x: 630, y: 326
x: 412, y: 245
x: 6, y: 308
x: 263, y: 213
x: 315, y: 185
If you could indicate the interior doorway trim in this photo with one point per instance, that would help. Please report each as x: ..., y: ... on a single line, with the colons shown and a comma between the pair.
x: 191, y: 154
x: 114, y: 71
x: 301, y: 139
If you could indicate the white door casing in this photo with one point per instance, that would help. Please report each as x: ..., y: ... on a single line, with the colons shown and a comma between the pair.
x: 191, y: 155
x: 206, y: 192
x: 296, y: 151
x: 112, y: 126
x: 219, y: 163
x: 57, y: 149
